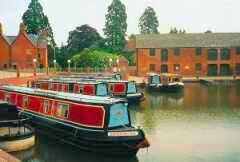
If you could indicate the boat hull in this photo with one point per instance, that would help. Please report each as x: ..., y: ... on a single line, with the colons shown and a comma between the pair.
x: 166, y: 88
x: 96, y: 141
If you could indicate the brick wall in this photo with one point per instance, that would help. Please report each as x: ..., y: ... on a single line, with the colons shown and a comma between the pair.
x: 21, y: 51
x: 187, y: 59
x: 4, y: 53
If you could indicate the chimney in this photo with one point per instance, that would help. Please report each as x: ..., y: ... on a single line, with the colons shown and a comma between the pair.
x: 1, y: 31
x: 22, y: 29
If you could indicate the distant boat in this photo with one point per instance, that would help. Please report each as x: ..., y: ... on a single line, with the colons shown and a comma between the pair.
x: 94, y: 87
x: 164, y: 82
x: 105, y: 76
x: 96, y: 124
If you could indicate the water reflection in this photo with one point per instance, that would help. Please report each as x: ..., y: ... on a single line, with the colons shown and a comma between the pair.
x: 48, y: 150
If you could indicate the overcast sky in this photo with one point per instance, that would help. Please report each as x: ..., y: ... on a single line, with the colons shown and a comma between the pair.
x: 65, y: 15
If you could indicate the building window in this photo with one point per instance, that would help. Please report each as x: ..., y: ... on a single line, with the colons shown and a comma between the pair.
x: 164, y: 55
x: 225, y: 54
x: 212, y: 69
x: 198, y: 51
x: 25, y: 102
x: 238, y: 50
x: 62, y: 110
x: 164, y: 68
x: 225, y: 70
x: 212, y: 54
x: 198, y: 67
x: 152, y: 51
x: 176, y: 51
x: 237, y: 69
x: 176, y: 67
x: 152, y: 67
x: 46, y: 106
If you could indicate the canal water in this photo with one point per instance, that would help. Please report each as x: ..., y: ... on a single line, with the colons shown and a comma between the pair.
x: 200, y: 124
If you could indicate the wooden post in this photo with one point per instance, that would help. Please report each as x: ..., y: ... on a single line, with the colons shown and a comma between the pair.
x: 18, y: 71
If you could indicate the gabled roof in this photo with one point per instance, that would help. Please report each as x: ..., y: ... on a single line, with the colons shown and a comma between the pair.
x: 9, y: 39
x: 35, y: 40
x: 188, y: 40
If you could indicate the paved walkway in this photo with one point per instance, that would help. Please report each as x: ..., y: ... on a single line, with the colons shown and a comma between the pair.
x: 10, y: 78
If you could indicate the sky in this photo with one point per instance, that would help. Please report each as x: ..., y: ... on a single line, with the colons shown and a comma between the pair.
x: 194, y: 16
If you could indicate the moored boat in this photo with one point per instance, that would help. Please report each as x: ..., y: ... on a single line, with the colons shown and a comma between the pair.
x: 97, y: 124
x: 92, y: 88
x: 97, y: 87
x: 164, y: 82
x: 105, y: 76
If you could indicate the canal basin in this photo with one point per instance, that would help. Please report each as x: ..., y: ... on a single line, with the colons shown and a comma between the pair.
x: 200, y: 124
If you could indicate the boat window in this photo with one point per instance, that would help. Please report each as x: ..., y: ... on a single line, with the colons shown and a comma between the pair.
x: 155, y: 79
x: 62, y: 110
x: 7, y: 98
x: 131, y: 87
x: 101, y: 90
x: 176, y: 79
x: 50, y: 86
x: 46, y: 106
x: 118, y: 76
x: 25, y: 101
x: 118, y: 115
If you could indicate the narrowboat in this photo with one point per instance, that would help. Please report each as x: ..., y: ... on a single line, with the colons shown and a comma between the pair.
x: 164, y: 82
x: 92, y: 88
x: 115, y: 88
x: 95, y: 124
x: 105, y: 76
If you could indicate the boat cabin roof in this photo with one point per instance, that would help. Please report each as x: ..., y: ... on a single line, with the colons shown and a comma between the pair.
x: 63, y: 95
x: 65, y: 80
x: 164, y: 74
x: 96, y: 81
x: 170, y: 75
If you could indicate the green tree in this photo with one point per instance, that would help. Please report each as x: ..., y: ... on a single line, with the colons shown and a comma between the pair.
x: 93, y: 58
x: 176, y: 31
x: 148, y: 22
x: 82, y: 37
x: 116, y: 26
x: 36, y: 21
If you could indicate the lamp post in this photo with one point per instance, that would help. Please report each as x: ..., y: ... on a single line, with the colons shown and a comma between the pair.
x: 55, y: 62
x: 34, y: 67
x: 69, y: 65
x: 110, y: 64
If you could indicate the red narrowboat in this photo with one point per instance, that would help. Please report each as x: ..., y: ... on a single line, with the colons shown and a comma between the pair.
x: 114, y: 76
x: 97, y: 124
x: 92, y: 88
x: 116, y: 88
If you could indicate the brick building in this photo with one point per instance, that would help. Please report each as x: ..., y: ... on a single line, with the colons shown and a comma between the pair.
x: 208, y: 54
x: 22, y: 49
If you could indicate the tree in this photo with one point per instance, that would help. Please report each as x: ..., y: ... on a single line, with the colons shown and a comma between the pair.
x: 82, y: 37
x: 148, y: 22
x: 93, y: 58
x: 36, y: 21
x: 176, y: 31
x: 208, y: 31
x: 116, y: 26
